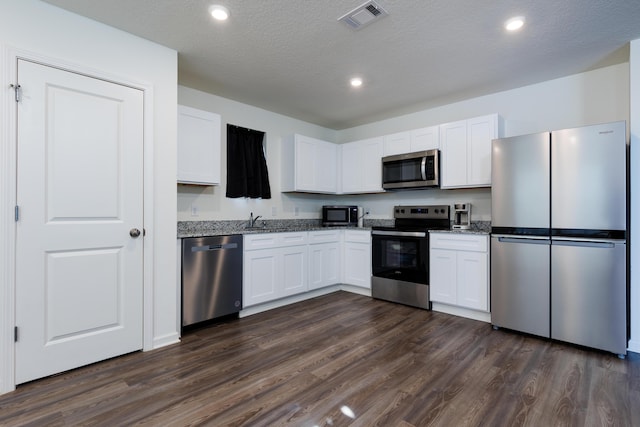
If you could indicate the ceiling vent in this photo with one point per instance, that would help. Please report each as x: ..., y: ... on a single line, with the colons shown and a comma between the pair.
x: 363, y: 15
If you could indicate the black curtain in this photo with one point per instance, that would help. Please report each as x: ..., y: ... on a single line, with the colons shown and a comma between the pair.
x: 247, y: 174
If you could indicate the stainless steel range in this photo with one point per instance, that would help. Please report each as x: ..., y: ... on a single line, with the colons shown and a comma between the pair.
x: 400, y: 254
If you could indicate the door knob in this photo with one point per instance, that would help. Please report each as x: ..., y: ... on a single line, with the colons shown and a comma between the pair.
x: 134, y: 232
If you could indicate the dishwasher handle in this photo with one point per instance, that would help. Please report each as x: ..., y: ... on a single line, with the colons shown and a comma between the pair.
x: 214, y: 247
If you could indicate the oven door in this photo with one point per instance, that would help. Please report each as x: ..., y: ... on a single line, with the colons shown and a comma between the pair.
x: 400, y: 255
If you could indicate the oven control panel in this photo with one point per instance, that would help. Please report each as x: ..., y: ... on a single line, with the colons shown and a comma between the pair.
x: 422, y: 212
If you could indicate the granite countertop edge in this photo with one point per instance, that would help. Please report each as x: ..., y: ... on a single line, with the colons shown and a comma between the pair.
x: 452, y: 231
x: 188, y: 229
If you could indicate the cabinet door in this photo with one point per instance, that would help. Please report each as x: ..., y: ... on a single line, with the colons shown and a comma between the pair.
x: 371, y: 167
x: 480, y: 132
x: 453, y: 145
x: 472, y: 280
x: 442, y: 276
x: 425, y: 139
x: 316, y: 266
x: 351, y: 168
x: 357, y: 264
x: 198, y: 146
x: 260, y: 277
x: 305, y: 163
x: 397, y: 143
x: 362, y: 166
x: 325, y: 165
x: 294, y: 270
x: 324, y: 265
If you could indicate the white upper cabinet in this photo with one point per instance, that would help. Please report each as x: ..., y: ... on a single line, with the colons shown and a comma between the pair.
x: 309, y: 165
x: 362, y: 166
x: 412, y: 141
x: 397, y: 143
x: 466, y: 151
x: 425, y: 139
x: 198, y: 146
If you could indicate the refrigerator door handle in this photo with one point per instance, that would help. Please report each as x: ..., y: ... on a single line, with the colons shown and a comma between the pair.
x: 586, y: 243
x: 528, y: 240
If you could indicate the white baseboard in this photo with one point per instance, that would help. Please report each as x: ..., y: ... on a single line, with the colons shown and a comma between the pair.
x: 482, y: 316
x: 166, y: 340
x: 255, y: 309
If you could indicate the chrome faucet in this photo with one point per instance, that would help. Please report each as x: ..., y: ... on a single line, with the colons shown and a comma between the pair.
x: 252, y: 220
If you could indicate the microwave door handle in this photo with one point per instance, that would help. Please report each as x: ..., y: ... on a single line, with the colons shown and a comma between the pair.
x: 423, y: 168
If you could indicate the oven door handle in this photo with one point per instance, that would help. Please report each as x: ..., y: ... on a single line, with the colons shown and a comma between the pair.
x: 399, y: 233
x: 423, y: 168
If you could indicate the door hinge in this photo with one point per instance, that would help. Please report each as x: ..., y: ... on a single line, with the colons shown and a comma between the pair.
x: 15, y: 334
x: 17, y: 213
x: 16, y: 88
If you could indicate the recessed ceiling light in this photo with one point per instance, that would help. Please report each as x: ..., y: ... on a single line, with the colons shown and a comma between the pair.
x: 356, y: 82
x: 219, y: 12
x: 514, y: 23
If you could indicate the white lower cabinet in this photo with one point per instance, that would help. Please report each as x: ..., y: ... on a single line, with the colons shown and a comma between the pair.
x: 278, y: 265
x: 275, y: 266
x: 459, y: 270
x: 324, y: 258
x: 357, y: 258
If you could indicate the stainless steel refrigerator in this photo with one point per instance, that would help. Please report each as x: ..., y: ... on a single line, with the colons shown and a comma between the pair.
x: 558, y: 243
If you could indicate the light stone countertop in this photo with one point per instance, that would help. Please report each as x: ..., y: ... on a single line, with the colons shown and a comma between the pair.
x: 224, y: 227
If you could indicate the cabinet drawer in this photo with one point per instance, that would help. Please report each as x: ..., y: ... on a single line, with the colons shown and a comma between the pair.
x: 359, y: 236
x: 464, y: 242
x: 324, y: 236
x: 293, y: 239
x: 274, y: 240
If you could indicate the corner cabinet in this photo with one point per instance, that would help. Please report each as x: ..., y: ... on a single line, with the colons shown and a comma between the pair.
x: 274, y: 266
x: 459, y: 269
x: 324, y: 258
x: 362, y: 166
x: 309, y: 165
x: 466, y: 151
x: 357, y: 258
x: 198, y: 146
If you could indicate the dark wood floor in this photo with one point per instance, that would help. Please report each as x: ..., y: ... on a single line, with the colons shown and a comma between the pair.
x: 390, y: 365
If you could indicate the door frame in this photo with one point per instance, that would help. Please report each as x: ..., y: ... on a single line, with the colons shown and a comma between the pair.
x: 8, y: 183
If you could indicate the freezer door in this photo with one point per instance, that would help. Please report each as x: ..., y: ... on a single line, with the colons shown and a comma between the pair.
x: 589, y: 187
x: 588, y: 294
x: 520, y: 179
x: 520, y: 284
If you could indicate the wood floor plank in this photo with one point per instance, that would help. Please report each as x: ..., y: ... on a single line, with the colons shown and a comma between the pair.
x: 341, y: 360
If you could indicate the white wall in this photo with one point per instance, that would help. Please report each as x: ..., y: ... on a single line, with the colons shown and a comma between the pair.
x: 594, y: 97
x: 634, y: 71
x: 41, y: 29
x: 587, y: 98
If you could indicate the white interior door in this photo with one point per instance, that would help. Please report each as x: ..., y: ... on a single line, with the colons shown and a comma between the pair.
x: 79, y: 272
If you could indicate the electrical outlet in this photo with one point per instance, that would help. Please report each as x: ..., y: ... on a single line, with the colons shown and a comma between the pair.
x: 274, y: 211
x: 366, y: 211
x: 195, y: 210
x: 296, y: 211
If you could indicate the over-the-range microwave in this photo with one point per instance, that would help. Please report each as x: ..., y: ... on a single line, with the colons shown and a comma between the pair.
x: 411, y: 171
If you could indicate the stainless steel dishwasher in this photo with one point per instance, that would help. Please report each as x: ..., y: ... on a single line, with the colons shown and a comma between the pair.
x: 211, y: 277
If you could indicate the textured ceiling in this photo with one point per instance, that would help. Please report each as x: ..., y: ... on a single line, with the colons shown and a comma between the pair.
x: 293, y: 56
